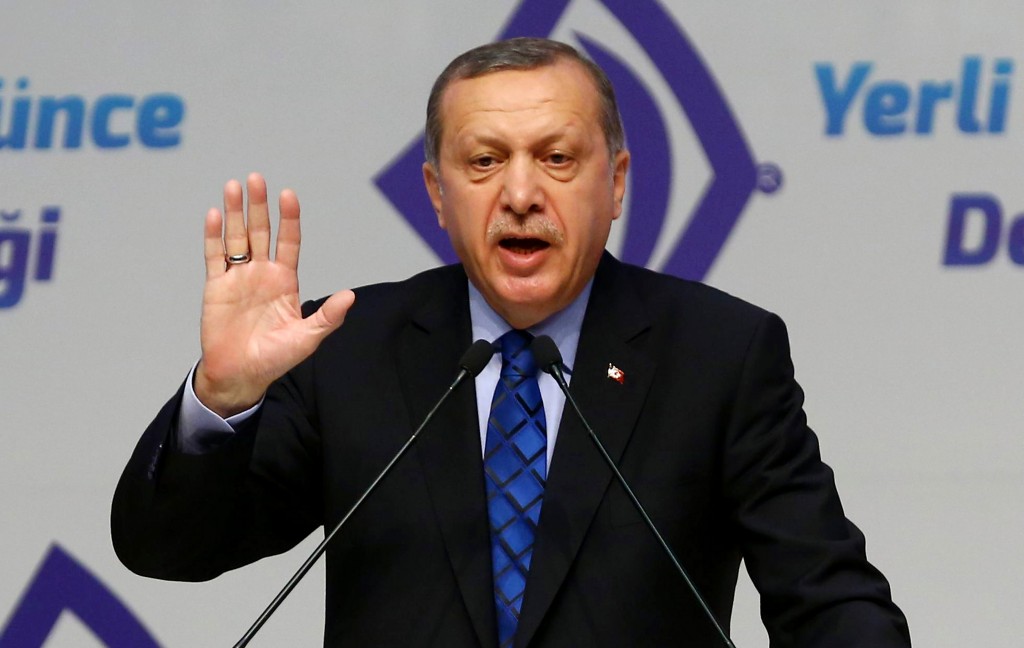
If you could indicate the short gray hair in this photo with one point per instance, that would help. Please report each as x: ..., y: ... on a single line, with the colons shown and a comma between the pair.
x: 520, y: 54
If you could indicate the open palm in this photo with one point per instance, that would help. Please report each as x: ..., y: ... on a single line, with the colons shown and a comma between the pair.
x: 252, y: 329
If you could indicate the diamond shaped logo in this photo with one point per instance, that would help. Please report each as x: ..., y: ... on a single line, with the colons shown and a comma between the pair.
x: 734, y: 175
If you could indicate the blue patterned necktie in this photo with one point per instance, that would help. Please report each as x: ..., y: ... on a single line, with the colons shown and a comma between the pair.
x: 515, y: 464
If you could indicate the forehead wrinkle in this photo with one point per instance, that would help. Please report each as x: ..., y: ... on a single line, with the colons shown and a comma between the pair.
x: 551, y: 128
x: 533, y: 105
x: 473, y: 113
x: 464, y: 107
x: 504, y: 100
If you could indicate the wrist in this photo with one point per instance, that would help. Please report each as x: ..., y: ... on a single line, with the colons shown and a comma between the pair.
x: 222, y: 397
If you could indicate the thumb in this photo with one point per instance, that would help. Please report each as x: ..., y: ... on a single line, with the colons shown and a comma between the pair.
x: 331, y: 314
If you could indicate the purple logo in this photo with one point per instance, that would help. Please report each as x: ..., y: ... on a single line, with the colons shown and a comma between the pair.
x: 734, y: 173
x: 60, y: 584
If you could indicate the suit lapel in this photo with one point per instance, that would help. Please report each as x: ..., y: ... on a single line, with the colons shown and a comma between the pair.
x: 449, y: 448
x: 612, y: 333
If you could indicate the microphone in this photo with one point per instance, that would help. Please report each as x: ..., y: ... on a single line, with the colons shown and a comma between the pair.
x: 471, y: 363
x: 549, y: 359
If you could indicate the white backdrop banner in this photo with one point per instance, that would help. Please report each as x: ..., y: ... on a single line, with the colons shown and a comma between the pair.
x: 856, y: 170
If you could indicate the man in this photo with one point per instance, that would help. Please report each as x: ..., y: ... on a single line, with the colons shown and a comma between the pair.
x: 691, y: 390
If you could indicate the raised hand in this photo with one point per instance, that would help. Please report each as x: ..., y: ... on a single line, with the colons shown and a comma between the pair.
x: 252, y: 330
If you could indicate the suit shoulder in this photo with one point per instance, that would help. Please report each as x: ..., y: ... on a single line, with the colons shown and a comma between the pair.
x: 403, y: 296
x: 692, y: 299
x: 416, y: 288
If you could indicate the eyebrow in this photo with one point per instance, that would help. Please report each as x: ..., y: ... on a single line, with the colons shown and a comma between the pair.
x: 498, y: 141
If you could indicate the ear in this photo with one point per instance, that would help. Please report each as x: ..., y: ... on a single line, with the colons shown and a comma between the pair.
x: 432, y: 180
x: 619, y: 169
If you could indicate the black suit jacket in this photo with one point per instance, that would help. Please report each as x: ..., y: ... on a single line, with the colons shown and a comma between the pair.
x: 707, y: 425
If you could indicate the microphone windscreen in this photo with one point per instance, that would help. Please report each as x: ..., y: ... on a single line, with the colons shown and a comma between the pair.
x: 545, y: 353
x: 476, y: 357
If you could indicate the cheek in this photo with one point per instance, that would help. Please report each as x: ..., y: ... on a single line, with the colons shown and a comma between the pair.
x: 465, y: 231
x: 581, y: 220
x: 473, y: 214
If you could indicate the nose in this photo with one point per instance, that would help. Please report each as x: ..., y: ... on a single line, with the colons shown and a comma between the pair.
x: 522, y: 192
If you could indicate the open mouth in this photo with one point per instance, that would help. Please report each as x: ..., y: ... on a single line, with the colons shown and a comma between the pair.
x: 523, y: 245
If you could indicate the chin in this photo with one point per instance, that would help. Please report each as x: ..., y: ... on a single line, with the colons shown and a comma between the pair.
x: 526, y: 308
x: 525, y: 292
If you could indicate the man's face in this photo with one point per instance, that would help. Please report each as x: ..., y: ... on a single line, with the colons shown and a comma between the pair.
x: 525, y: 187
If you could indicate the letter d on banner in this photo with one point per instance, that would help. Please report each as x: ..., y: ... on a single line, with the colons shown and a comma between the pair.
x: 961, y: 207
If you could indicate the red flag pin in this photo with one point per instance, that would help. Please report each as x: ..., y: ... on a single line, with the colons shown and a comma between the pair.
x: 616, y: 374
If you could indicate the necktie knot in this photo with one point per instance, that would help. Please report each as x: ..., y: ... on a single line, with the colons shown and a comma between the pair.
x: 516, y: 356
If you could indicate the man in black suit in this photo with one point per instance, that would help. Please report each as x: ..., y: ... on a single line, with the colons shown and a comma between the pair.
x: 691, y: 390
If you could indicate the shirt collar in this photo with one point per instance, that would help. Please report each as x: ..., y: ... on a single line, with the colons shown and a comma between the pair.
x: 562, y: 327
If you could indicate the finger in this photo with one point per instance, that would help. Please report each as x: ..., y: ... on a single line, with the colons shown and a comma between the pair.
x: 213, y: 244
x: 330, y: 315
x: 258, y: 217
x: 235, y: 239
x: 289, y: 236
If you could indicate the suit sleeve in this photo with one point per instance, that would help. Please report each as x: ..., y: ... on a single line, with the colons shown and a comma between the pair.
x: 806, y: 559
x: 191, y: 517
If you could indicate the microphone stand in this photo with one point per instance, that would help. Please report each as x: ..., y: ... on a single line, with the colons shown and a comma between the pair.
x: 550, y: 360
x: 471, y: 364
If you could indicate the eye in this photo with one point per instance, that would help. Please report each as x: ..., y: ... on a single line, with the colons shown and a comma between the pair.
x: 558, y: 159
x: 560, y: 165
x: 483, y: 162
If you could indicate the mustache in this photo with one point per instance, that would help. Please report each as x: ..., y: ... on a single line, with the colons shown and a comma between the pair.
x: 509, y: 225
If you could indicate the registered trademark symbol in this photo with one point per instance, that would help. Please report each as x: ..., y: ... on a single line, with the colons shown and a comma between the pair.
x: 769, y: 177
